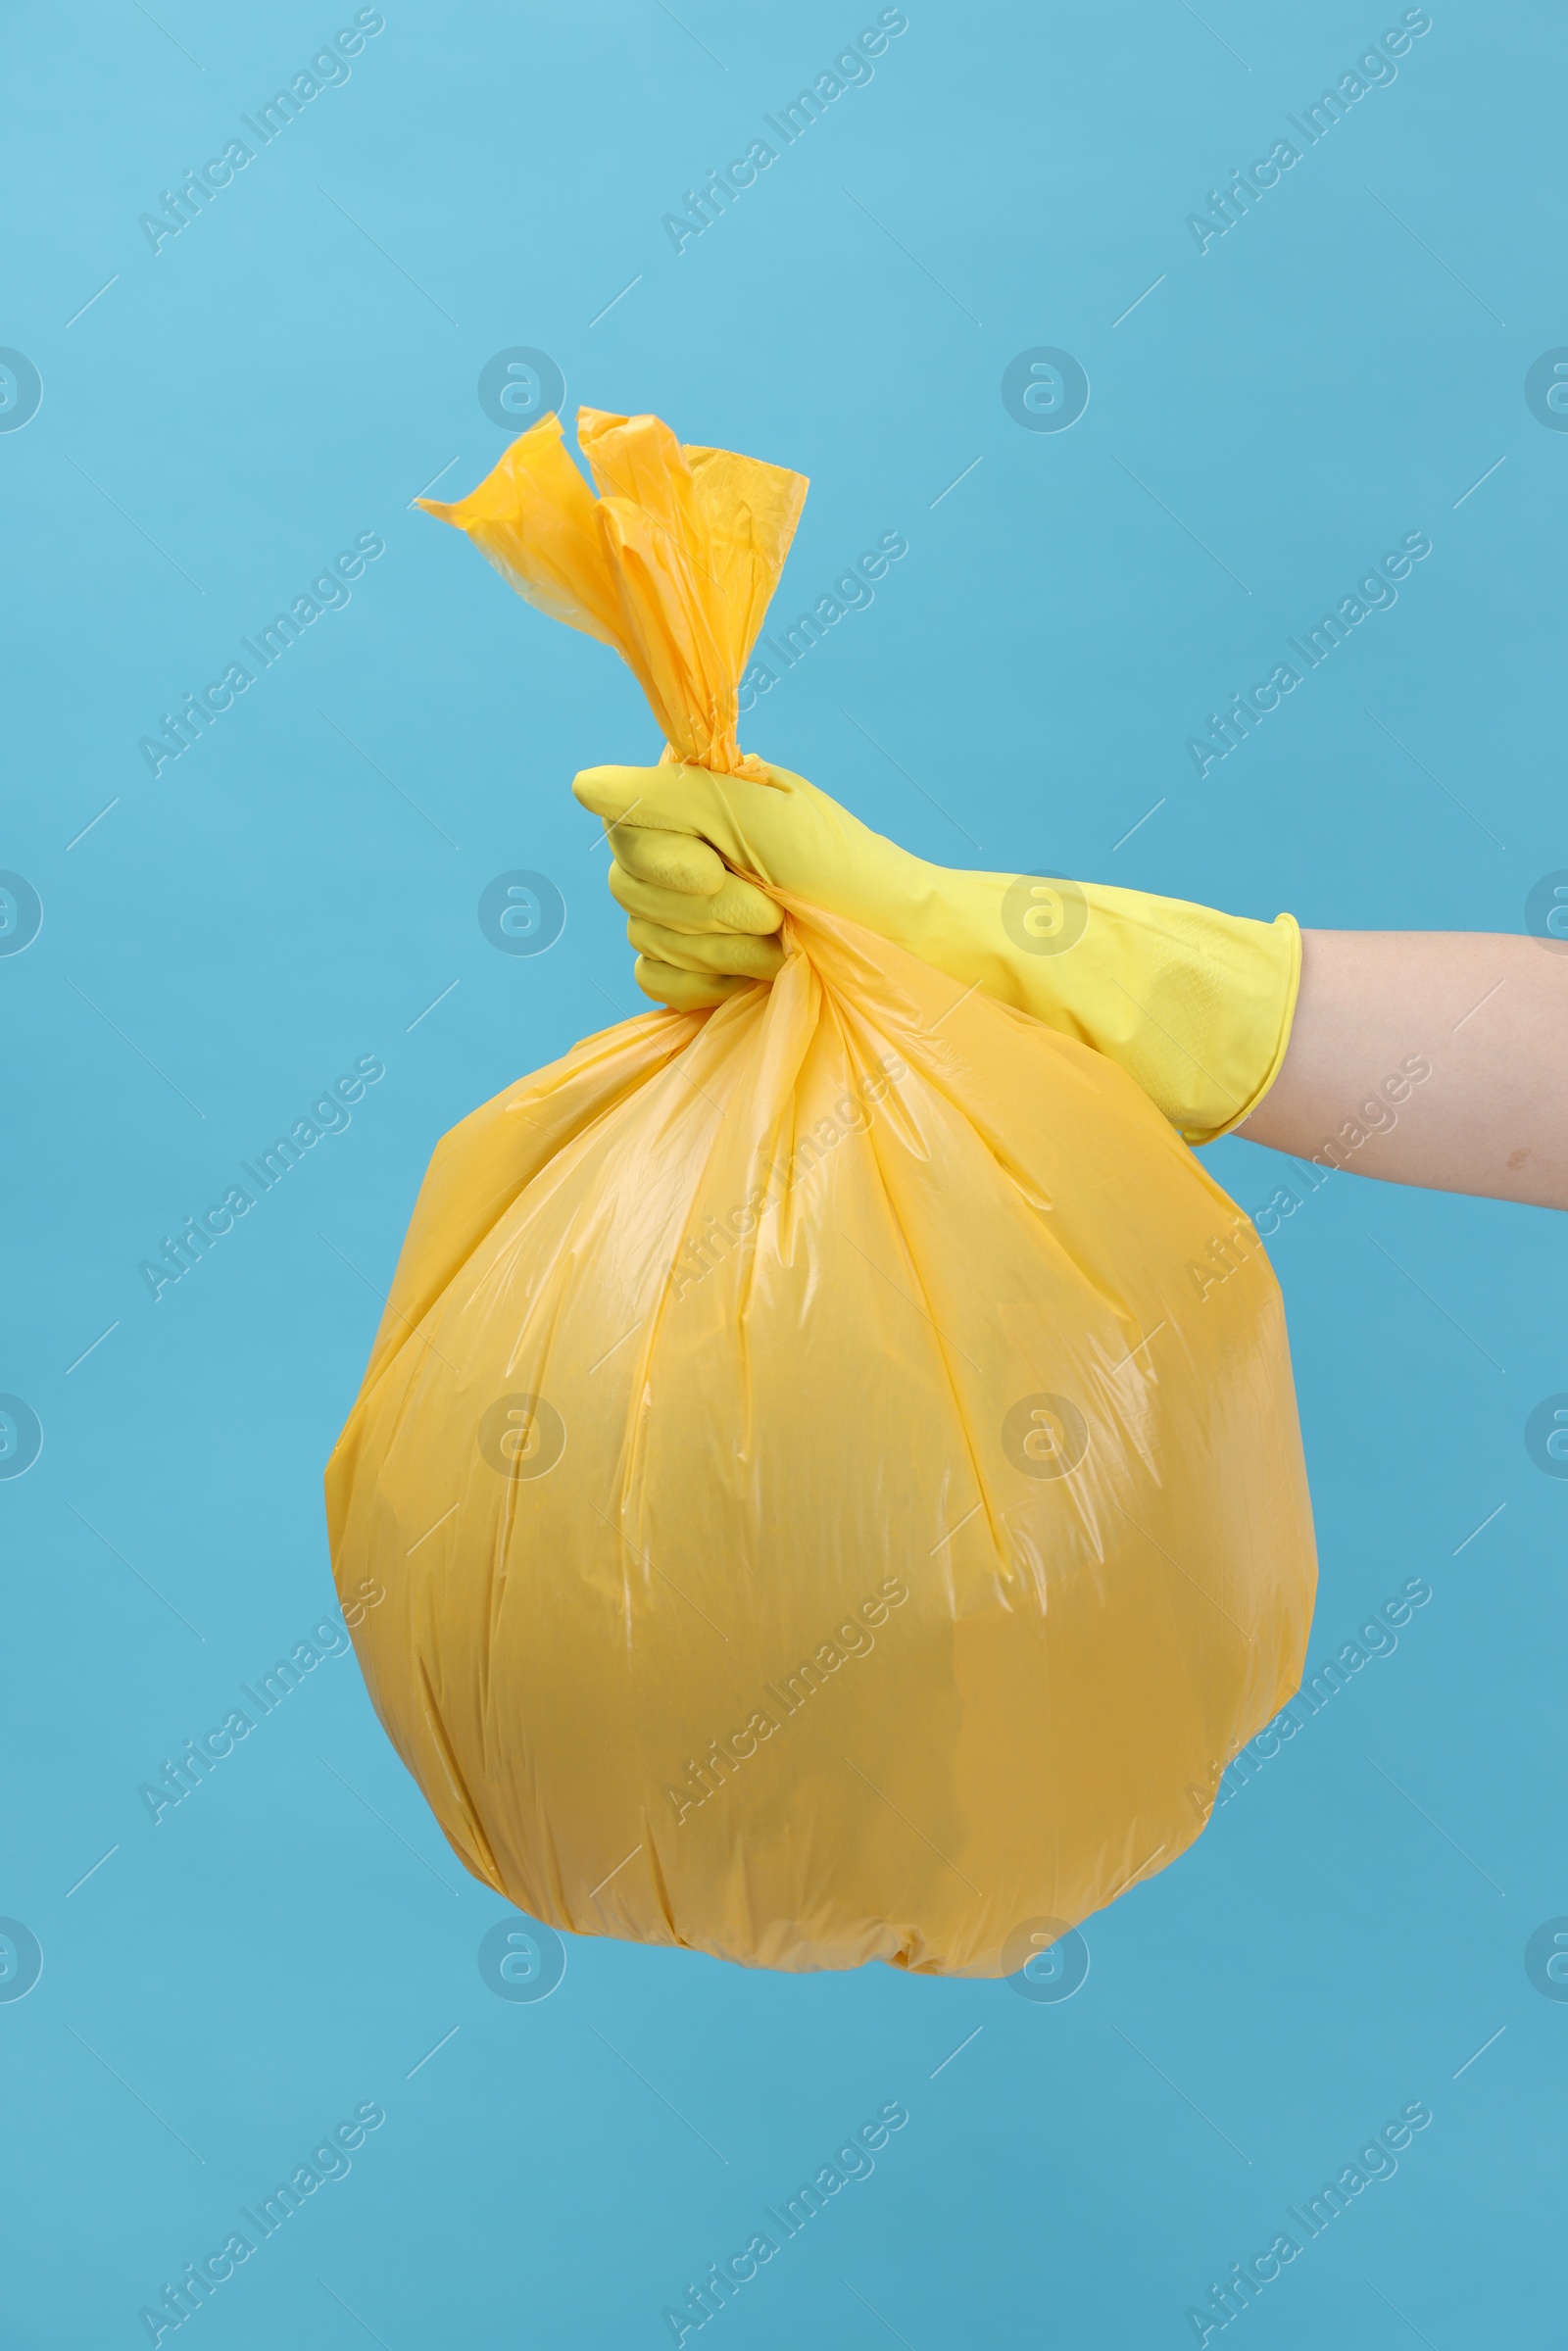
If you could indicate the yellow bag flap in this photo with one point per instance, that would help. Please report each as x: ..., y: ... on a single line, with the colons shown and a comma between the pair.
x: 673, y: 564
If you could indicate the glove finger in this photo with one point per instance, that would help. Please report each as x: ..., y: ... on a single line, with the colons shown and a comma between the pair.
x: 744, y: 820
x: 734, y: 953
x: 684, y: 991
x: 670, y: 861
x: 612, y: 792
x: 736, y: 907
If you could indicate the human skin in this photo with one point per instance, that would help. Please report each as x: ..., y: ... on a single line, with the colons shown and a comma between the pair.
x: 1488, y: 1010
x: 1485, y: 1012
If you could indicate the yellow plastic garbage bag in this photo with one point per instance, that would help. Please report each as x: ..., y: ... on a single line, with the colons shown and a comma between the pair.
x: 831, y: 1461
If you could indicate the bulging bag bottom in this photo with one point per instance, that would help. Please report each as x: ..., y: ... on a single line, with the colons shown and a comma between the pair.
x: 833, y: 1468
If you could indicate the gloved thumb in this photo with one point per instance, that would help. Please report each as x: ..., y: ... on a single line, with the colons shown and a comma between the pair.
x: 748, y: 823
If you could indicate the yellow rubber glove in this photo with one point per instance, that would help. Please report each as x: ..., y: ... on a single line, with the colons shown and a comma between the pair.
x: 1196, y: 1005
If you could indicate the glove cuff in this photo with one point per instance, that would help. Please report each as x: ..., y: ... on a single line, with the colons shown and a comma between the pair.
x: 1280, y: 1015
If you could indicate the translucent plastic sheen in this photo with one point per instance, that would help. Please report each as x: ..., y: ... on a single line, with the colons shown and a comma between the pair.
x: 831, y: 1462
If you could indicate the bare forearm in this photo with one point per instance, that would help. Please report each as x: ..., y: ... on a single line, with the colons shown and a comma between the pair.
x: 1484, y: 1014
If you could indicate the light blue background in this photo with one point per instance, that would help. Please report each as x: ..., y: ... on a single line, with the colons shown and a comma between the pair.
x: 222, y: 418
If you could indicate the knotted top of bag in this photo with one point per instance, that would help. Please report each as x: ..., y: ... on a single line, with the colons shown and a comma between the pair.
x: 672, y: 563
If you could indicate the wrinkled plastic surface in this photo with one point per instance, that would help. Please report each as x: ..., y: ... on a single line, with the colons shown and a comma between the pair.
x: 833, y: 1500
x: 673, y: 564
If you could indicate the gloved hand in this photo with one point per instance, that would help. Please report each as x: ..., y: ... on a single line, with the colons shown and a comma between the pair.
x: 1196, y: 1005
